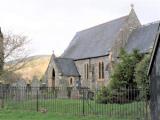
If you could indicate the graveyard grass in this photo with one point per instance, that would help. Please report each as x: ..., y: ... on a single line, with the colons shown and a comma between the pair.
x: 30, y: 115
x: 66, y: 110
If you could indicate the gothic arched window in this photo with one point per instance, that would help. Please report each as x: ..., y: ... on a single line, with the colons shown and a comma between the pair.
x: 86, y: 71
x: 101, y: 70
x: 71, y: 81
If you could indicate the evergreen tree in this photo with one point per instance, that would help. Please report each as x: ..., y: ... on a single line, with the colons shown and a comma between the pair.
x: 141, y: 77
x: 123, y: 73
x: 128, y: 76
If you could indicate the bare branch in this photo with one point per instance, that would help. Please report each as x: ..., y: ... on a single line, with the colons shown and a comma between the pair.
x: 15, y: 51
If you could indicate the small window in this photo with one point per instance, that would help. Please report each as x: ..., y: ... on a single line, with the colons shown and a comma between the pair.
x: 86, y: 71
x: 101, y: 70
x: 99, y: 66
x: 71, y: 81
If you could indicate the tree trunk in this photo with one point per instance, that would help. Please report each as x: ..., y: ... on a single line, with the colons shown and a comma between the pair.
x: 1, y: 53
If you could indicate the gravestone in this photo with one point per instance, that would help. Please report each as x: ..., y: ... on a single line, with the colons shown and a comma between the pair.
x: 75, y: 93
x: 35, y: 86
x: 18, y: 90
x: 62, y: 92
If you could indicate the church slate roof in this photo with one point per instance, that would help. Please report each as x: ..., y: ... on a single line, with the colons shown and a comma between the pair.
x: 95, y: 41
x: 142, y: 38
x: 67, y: 67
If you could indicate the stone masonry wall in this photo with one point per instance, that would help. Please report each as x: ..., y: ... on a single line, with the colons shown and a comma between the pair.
x: 49, y: 73
x: 93, y: 82
x: 60, y: 80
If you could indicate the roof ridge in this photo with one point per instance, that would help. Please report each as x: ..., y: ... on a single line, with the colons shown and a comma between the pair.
x: 146, y: 25
x: 102, y: 23
x: 151, y: 23
x: 64, y: 58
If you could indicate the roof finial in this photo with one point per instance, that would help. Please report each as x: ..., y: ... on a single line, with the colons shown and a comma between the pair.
x: 53, y: 54
x: 132, y: 6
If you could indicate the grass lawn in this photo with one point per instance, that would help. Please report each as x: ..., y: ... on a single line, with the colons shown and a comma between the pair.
x: 30, y: 115
x: 67, y: 109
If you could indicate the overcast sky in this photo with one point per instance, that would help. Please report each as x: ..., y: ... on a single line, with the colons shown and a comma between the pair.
x: 51, y: 24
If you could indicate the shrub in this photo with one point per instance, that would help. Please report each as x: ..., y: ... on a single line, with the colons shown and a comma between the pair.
x: 103, y: 96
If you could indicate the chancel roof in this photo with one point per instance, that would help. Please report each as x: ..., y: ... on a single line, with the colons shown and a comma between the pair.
x: 142, y: 38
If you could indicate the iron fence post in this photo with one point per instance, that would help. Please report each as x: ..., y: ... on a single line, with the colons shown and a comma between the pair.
x: 146, y: 105
x: 37, y: 102
x: 3, y: 97
x: 83, y: 102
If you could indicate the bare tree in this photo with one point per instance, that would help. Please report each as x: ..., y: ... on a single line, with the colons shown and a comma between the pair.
x: 1, y: 53
x: 14, y: 52
x: 11, y: 77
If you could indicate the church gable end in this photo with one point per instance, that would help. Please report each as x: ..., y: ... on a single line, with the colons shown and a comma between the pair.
x: 121, y: 40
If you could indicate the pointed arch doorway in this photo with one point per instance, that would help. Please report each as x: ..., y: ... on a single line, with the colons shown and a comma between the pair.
x: 53, y: 78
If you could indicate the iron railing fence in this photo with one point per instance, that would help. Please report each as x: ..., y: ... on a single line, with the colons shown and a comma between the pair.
x: 124, y: 104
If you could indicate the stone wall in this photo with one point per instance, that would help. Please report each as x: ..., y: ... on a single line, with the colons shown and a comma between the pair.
x: 64, y: 85
x: 64, y: 81
x: 93, y: 82
x: 60, y: 80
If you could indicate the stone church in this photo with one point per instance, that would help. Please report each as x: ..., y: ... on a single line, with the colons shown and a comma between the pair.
x: 88, y: 59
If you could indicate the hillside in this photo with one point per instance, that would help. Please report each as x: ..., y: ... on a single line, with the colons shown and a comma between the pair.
x: 36, y: 66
